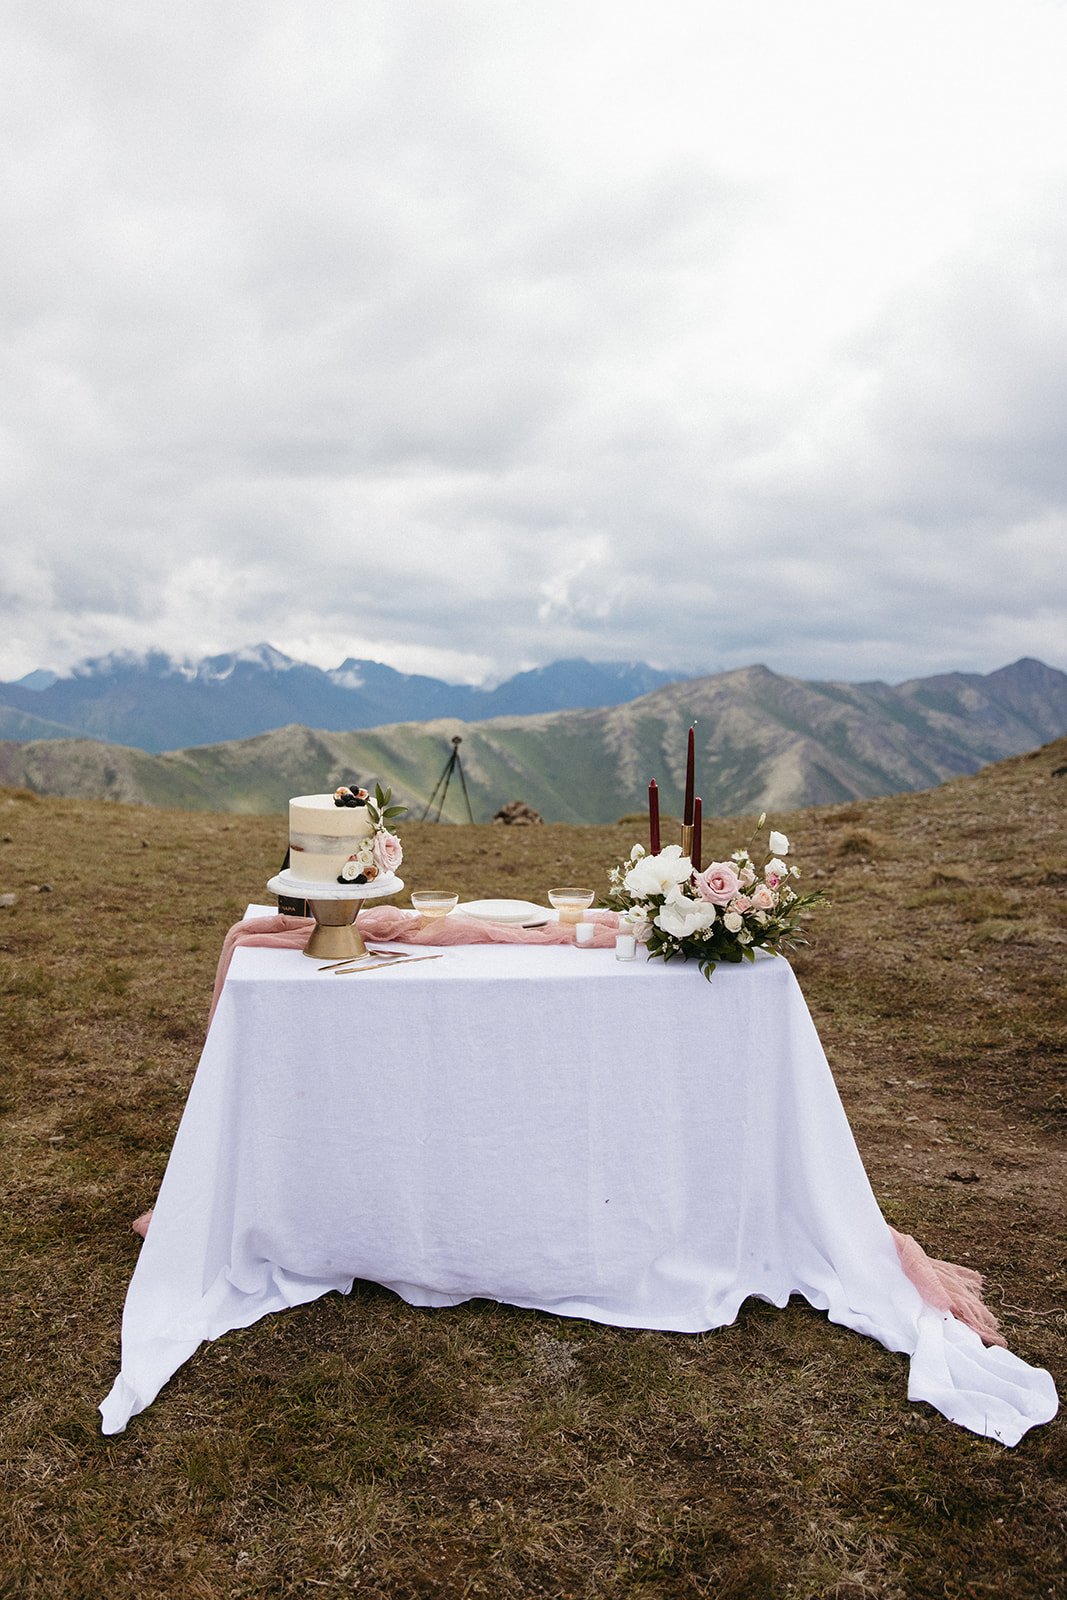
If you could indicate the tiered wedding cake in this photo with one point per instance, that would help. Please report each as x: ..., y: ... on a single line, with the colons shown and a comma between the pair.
x: 343, y: 838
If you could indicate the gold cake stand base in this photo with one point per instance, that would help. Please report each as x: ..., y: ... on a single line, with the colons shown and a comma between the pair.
x: 335, y: 936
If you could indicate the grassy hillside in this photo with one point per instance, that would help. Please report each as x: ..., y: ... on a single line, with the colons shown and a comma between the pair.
x: 358, y: 1446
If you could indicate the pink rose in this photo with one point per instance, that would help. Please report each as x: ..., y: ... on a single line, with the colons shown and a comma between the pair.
x: 388, y: 851
x: 741, y: 902
x: 719, y: 883
x: 763, y: 897
x: 774, y: 872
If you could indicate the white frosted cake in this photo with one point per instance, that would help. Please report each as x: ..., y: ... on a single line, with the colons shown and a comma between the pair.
x: 323, y: 836
x: 344, y: 838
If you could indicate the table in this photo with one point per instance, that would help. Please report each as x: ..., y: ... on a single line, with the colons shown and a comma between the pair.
x: 541, y: 1126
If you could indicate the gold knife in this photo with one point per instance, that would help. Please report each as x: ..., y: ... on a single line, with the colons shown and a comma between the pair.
x: 386, y: 961
x: 371, y: 955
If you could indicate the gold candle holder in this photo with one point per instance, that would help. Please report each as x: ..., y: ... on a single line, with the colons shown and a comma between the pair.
x: 687, y: 839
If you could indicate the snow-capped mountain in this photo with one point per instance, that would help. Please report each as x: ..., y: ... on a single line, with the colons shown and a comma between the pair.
x: 157, y: 702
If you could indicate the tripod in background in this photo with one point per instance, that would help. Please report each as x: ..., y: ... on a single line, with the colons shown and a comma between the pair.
x: 453, y: 764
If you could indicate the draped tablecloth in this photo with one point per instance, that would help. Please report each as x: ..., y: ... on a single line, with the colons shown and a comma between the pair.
x: 541, y: 1126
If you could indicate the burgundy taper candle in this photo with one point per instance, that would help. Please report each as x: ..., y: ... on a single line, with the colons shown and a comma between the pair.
x: 697, y: 821
x: 653, y: 818
x: 687, y: 810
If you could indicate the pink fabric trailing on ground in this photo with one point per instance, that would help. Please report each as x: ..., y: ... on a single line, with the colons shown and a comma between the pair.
x: 948, y: 1287
x: 941, y: 1284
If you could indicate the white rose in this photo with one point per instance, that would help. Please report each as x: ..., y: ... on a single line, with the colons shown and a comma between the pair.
x: 778, y: 844
x: 734, y: 921
x: 658, y: 874
x: 680, y: 916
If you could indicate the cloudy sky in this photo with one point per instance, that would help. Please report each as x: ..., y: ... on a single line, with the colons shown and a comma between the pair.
x: 469, y: 334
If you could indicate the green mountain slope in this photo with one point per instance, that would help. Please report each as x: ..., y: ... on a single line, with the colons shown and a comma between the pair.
x: 764, y: 741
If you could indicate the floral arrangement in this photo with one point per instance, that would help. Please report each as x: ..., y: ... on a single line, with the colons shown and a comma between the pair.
x: 724, y: 913
x: 381, y: 851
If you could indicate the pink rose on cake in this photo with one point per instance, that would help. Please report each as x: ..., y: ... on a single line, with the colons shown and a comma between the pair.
x: 388, y: 851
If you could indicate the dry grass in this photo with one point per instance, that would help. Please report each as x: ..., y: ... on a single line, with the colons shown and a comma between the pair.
x: 360, y: 1447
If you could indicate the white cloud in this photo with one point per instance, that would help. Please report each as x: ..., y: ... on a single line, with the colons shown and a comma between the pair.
x: 475, y: 333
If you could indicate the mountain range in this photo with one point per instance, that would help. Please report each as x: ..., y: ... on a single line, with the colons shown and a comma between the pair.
x: 155, y: 702
x: 764, y: 741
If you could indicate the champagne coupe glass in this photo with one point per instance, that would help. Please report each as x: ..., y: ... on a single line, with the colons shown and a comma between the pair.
x: 571, y: 903
x: 432, y: 903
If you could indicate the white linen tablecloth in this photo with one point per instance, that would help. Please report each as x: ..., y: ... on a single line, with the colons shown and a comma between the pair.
x: 541, y: 1126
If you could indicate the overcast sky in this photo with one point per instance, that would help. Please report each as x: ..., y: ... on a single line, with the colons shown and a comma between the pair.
x: 472, y: 334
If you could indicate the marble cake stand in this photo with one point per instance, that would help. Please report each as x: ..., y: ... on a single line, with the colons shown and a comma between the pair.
x: 335, y: 907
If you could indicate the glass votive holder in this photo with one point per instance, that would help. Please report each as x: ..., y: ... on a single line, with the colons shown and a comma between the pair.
x: 625, y: 946
x: 584, y: 933
x: 431, y: 903
x: 571, y: 903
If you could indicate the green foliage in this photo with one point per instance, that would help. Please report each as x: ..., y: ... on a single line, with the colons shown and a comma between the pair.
x: 382, y: 811
x: 668, y: 904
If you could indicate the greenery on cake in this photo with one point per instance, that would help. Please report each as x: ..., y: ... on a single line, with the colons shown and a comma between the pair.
x: 381, y: 851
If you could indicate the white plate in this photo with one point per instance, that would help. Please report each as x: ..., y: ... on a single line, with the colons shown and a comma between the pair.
x: 519, y: 913
x: 287, y: 883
